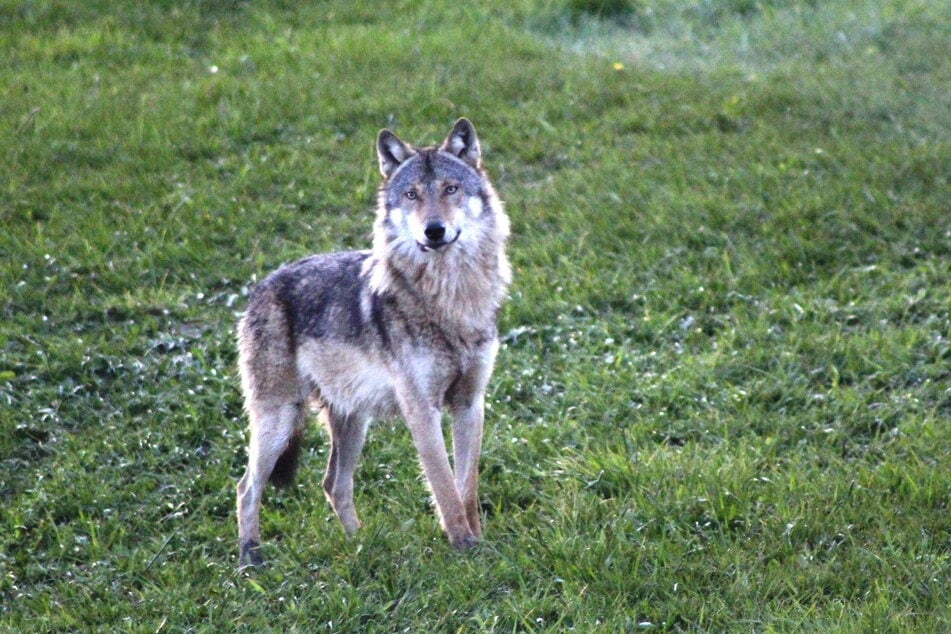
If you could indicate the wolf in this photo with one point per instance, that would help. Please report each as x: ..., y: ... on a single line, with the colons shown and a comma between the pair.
x: 407, y: 328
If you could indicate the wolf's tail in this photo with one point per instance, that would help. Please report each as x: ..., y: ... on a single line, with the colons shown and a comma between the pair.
x: 282, y: 476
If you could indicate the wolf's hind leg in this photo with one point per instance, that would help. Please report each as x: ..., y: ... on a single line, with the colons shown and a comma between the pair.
x: 347, y: 435
x: 275, y: 433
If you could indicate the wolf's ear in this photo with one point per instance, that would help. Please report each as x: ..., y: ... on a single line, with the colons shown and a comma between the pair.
x: 463, y: 142
x: 391, y: 152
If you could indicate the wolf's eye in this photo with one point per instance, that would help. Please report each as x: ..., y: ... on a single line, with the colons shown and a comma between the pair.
x: 451, y: 189
x: 410, y: 195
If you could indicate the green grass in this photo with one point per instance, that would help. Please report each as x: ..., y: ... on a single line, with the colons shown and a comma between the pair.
x: 724, y: 396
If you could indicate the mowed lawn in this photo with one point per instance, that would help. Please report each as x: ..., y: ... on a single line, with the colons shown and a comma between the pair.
x: 723, y: 399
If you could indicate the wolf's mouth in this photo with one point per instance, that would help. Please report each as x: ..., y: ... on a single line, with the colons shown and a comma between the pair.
x: 431, y: 245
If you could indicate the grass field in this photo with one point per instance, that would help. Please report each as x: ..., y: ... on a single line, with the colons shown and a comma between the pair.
x: 723, y: 402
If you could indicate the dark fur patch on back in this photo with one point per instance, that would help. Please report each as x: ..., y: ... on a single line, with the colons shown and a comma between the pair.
x: 286, y: 466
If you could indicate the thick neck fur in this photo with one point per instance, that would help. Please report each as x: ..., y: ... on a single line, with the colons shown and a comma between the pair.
x: 461, y: 286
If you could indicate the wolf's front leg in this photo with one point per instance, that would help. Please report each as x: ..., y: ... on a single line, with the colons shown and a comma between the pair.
x: 423, y: 421
x: 466, y: 446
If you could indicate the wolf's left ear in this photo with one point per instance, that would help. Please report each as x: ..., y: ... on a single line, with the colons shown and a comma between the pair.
x: 463, y: 142
x: 391, y: 152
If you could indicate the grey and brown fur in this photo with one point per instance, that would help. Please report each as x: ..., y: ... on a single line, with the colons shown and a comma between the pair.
x: 405, y: 329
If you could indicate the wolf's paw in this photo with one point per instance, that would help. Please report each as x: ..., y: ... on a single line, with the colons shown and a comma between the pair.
x: 250, y: 554
x: 465, y: 542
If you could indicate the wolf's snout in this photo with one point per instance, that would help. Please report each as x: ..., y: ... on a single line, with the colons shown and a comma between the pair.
x: 435, y: 231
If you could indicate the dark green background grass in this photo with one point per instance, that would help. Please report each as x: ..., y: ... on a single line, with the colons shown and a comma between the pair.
x: 723, y: 398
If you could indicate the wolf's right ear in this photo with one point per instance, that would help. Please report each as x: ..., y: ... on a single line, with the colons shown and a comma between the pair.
x: 391, y: 152
x: 463, y: 142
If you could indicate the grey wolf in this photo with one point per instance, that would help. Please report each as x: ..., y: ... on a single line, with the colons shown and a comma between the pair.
x: 407, y: 328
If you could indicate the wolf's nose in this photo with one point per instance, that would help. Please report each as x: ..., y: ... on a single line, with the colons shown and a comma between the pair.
x: 435, y: 231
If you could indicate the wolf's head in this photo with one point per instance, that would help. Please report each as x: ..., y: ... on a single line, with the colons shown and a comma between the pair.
x: 433, y: 197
